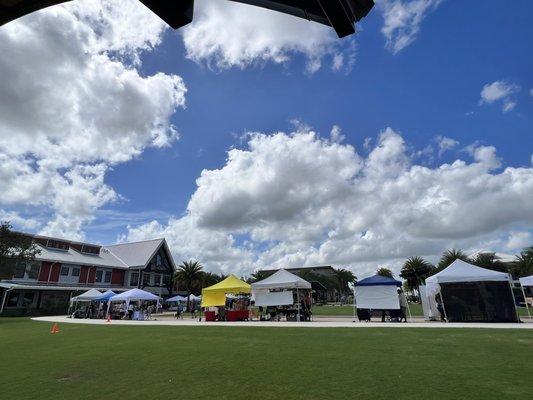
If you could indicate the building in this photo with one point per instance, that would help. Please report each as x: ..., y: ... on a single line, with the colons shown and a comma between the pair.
x: 66, y: 268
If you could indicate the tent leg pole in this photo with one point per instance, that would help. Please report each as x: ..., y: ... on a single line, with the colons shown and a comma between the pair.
x: 514, y: 302
x: 409, y: 308
x: 525, y: 301
x: 354, y: 313
x: 443, y: 308
x: 298, y: 299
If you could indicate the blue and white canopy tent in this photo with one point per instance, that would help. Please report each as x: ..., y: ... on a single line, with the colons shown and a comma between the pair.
x: 377, y: 293
x: 106, y: 296
x: 88, y: 296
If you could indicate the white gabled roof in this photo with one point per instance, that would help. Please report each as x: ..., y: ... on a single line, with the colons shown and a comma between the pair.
x: 282, y: 280
x: 137, y: 254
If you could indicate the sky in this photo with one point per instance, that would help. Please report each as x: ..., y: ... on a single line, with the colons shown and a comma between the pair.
x: 250, y: 139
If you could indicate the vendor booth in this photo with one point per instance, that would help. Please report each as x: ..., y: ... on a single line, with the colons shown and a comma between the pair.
x: 527, y: 282
x: 215, y: 296
x: 377, y: 293
x: 277, y: 290
x: 469, y: 293
x: 139, y: 311
x: 81, y: 307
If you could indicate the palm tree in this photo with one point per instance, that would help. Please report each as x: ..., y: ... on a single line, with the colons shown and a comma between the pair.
x: 189, y: 274
x: 345, y: 277
x: 415, y: 270
x: 489, y: 261
x: 382, y: 271
x: 258, y: 276
x: 523, y: 265
x: 210, y: 278
x: 449, y: 256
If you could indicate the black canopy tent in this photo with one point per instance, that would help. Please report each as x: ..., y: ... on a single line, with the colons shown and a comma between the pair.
x: 339, y: 14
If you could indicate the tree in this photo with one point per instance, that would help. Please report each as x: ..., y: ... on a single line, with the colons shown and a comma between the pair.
x: 382, y: 271
x: 210, y: 278
x: 523, y: 265
x: 489, y: 261
x: 345, y: 277
x: 415, y: 270
x: 448, y: 257
x: 258, y: 276
x: 14, y: 247
x: 189, y: 274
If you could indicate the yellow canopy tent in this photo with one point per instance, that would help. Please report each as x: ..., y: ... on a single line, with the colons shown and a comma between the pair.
x: 216, y: 295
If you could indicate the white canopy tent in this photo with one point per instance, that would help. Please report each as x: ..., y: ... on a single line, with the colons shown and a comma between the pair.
x: 526, y: 281
x: 176, y: 299
x: 89, y: 295
x: 195, y: 298
x: 133, y: 295
x: 281, y: 279
x: 462, y: 272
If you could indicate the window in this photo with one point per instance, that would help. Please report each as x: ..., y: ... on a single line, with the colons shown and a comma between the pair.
x: 27, y: 299
x: 146, y: 279
x: 64, y: 271
x: 166, y: 279
x: 98, y: 277
x: 20, y: 270
x: 33, y: 270
x: 107, y: 278
x: 75, y: 272
x: 134, y: 279
x: 13, y: 299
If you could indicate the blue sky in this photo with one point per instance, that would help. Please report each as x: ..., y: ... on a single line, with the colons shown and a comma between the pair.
x: 429, y: 90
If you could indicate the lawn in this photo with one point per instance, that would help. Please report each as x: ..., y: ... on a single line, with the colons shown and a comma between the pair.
x: 346, y: 310
x: 136, y: 362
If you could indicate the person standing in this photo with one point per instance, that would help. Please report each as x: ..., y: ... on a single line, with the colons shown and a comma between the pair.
x: 403, y: 305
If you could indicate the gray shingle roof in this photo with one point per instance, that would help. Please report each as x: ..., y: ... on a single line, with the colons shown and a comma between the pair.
x: 71, y: 256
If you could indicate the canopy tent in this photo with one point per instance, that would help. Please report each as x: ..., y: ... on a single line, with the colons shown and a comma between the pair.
x: 526, y: 281
x: 89, y: 295
x: 106, y: 296
x: 216, y: 295
x: 134, y: 295
x: 192, y: 297
x: 429, y: 305
x: 472, y: 293
x: 282, y: 279
x: 176, y: 299
x: 377, y: 293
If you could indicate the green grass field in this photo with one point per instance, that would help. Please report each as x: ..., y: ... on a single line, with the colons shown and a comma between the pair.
x: 339, y: 311
x: 136, y: 362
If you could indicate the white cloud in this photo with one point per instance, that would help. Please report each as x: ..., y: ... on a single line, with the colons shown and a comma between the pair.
x: 403, y: 20
x: 298, y: 199
x: 518, y: 240
x: 18, y: 220
x: 445, y: 144
x: 499, y: 91
x: 226, y: 34
x: 73, y: 103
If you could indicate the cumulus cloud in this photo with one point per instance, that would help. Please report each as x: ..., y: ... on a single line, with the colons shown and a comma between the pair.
x: 299, y: 199
x: 73, y: 103
x: 499, y: 91
x: 226, y: 34
x: 519, y: 240
x: 445, y: 144
x: 403, y: 20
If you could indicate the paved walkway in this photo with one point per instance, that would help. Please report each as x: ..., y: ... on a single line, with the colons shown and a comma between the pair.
x: 317, y: 323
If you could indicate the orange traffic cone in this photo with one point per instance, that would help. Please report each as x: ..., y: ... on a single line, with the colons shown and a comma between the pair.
x: 55, y: 328
x: 108, y: 318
